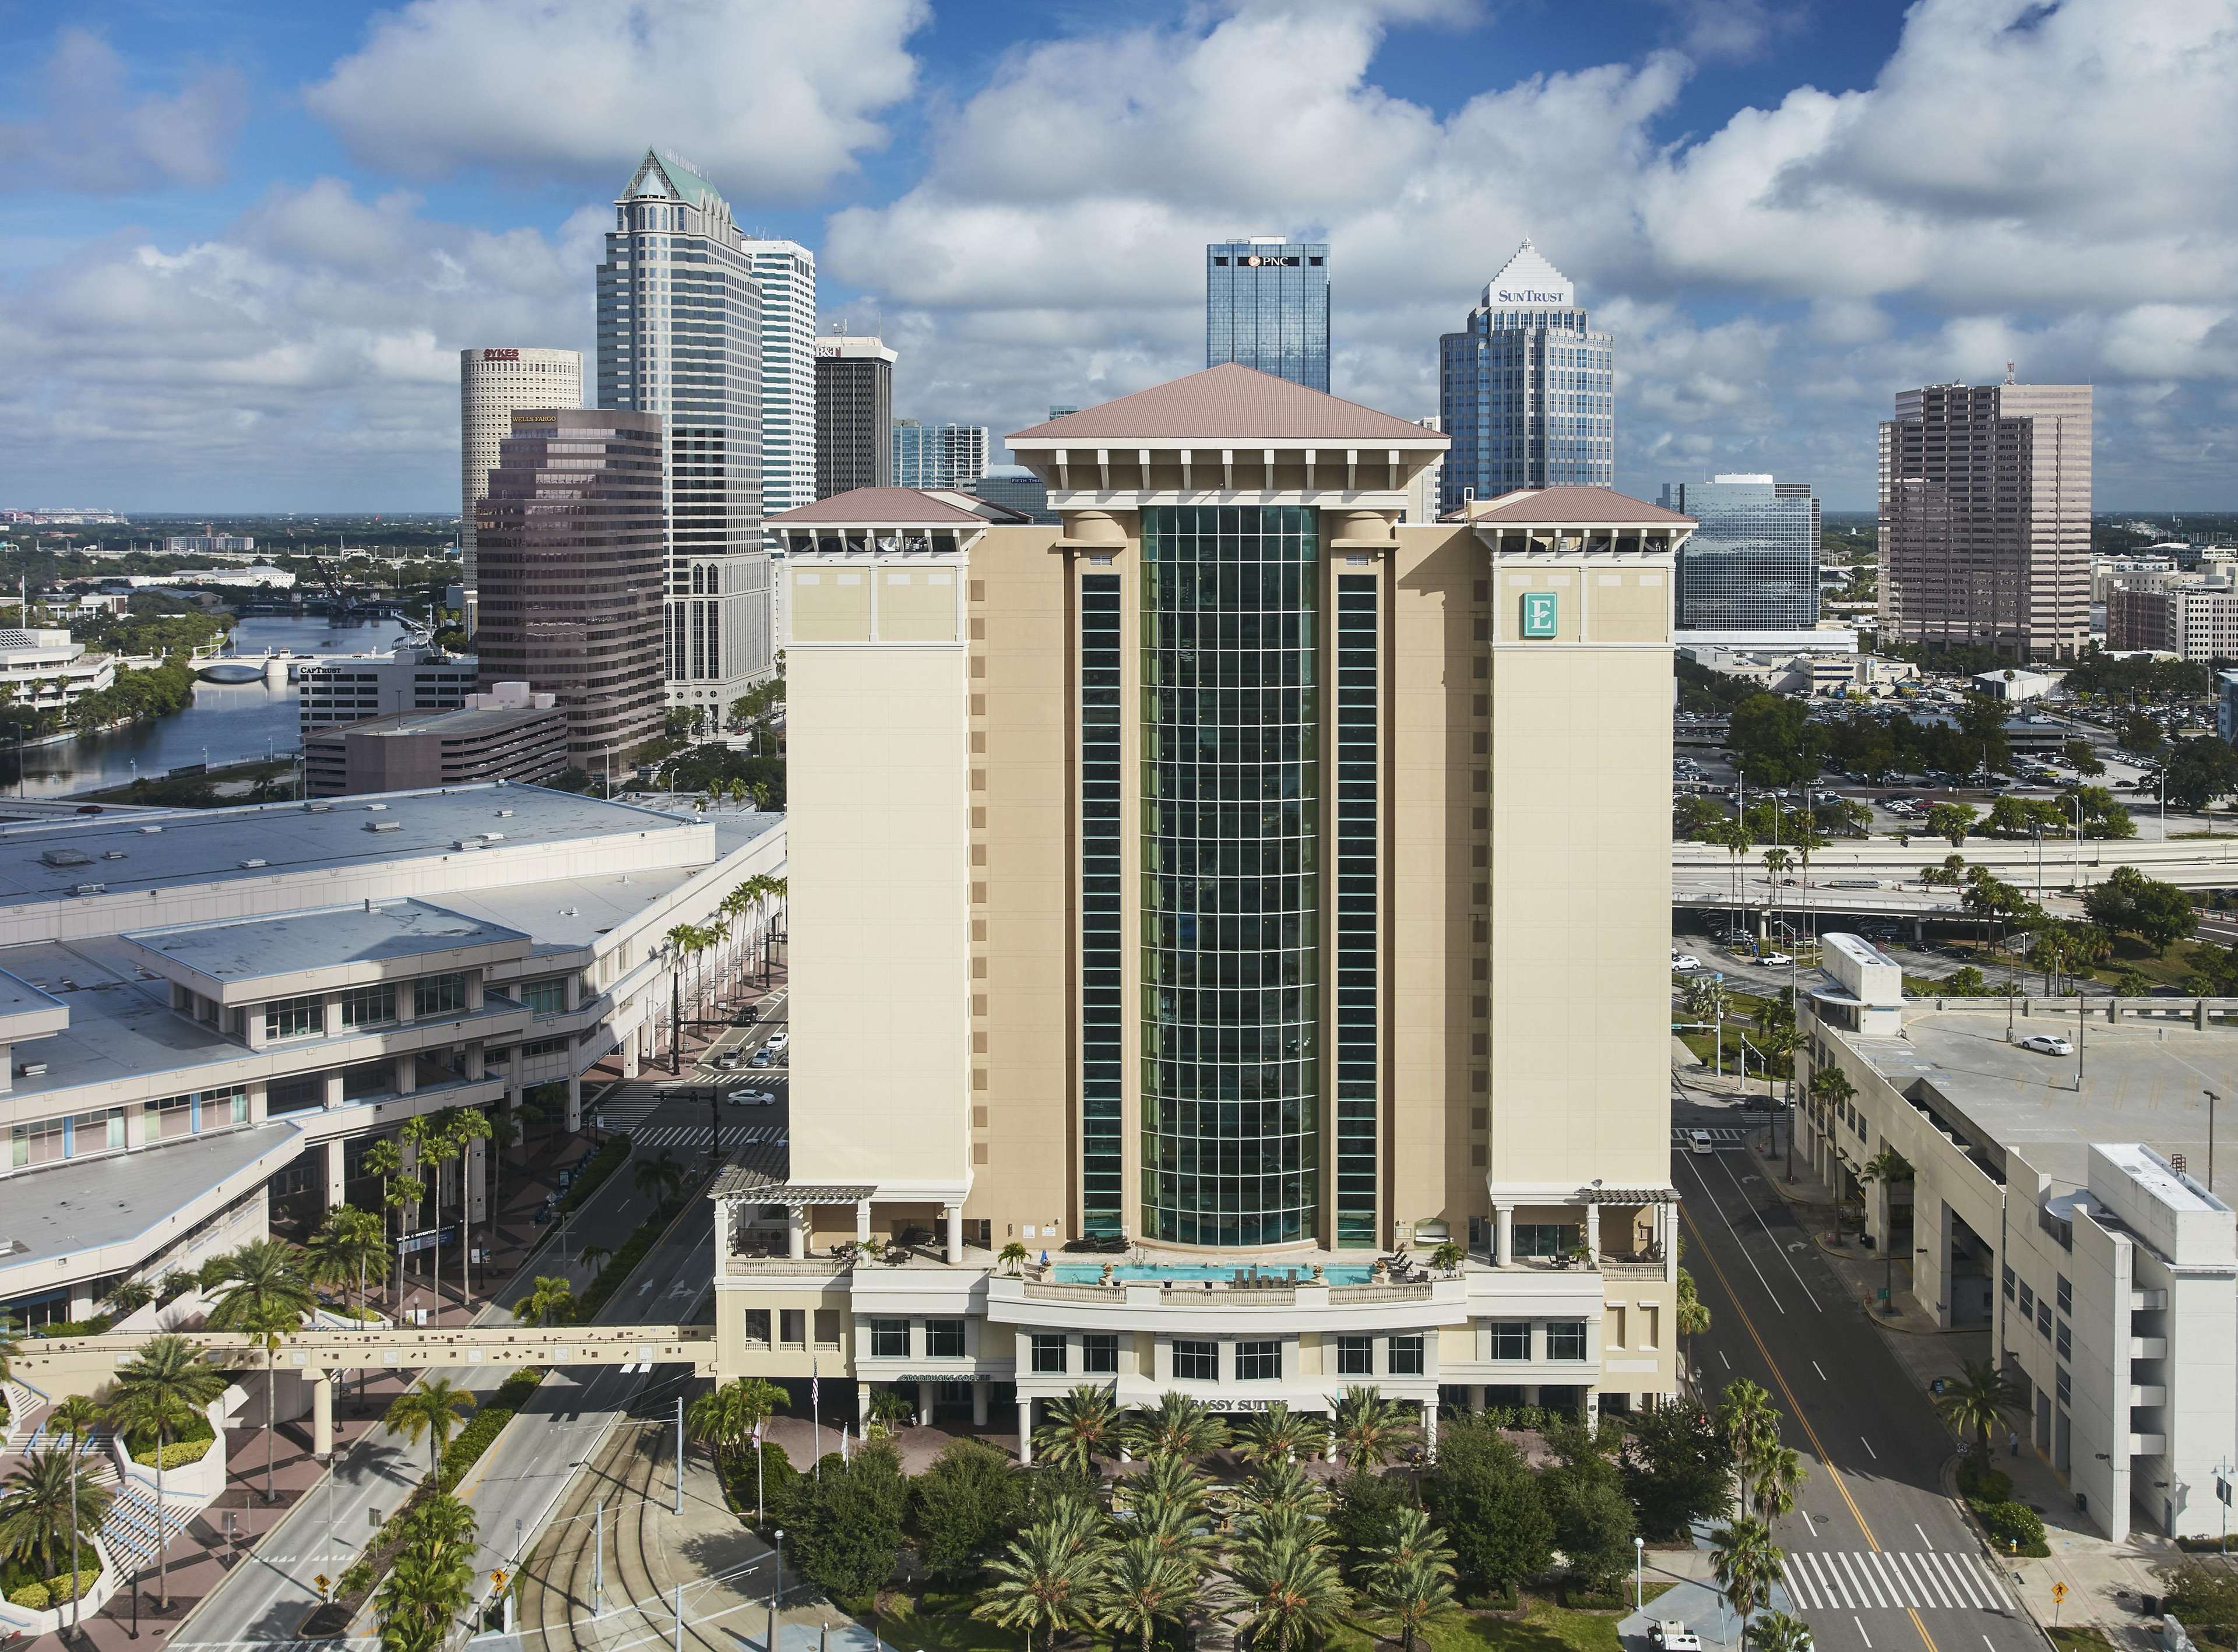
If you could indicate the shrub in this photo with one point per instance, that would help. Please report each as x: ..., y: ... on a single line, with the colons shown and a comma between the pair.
x: 2013, y: 1524
x: 1979, y: 1482
x: 61, y: 1588
x: 32, y: 1596
x: 177, y: 1454
x: 595, y: 1169
x: 465, y: 1449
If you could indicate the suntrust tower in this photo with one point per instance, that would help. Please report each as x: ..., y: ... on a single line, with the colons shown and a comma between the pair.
x: 1214, y: 895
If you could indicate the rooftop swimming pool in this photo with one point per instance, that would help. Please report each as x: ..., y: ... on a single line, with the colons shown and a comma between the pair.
x: 1092, y: 1272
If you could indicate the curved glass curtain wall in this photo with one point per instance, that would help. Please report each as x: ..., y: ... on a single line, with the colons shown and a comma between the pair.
x: 1231, y: 989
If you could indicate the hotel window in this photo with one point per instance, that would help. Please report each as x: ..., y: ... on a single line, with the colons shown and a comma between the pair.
x: 2008, y: 1282
x: 1259, y: 1362
x: 369, y: 1006
x: 1565, y: 1339
x: 368, y: 1078
x: 1196, y: 1362
x: 39, y: 1143
x: 1546, y: 1238
x: 827, y: 1327
x: 1404, y: 1356
x: 2065, y: 1385
x: 2066, y: 1294
x: 174, y: 1115
x: 302, y: 1094
x: 2063, y: 1340
x: 1049, y: 1353
x: 546, y: 997
x: 1102, y: 1031
x: 1099, y: 1354
x: 2027, y: 1300
x: 943, y: 1338
x: 295, y: 1018
x: 890, y: 1338
x: 232, y: 1104
x: 1511, y: 1340
x: 1355, y: 1356
x: 2042, y: 1316
x: 1358, y: 834
x: 792, y: 1327
x: 438, y: 994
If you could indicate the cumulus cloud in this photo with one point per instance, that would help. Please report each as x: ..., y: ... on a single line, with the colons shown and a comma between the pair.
x: 306, y: 353
x: 773, y: 98
x: 92, y: 133
x: 2051, y: 183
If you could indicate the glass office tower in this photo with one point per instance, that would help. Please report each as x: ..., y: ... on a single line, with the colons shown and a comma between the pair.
x: 1753, y: 564
x: 1267, y: 306
x: 1526, y: 390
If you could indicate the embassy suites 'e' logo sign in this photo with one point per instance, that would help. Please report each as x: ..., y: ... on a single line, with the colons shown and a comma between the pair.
x: 1540, y: 614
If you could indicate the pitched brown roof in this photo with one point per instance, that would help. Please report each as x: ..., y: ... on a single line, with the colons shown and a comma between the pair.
x: 902, y: 506
x: 1593, y: 506
x: 1227, y: 403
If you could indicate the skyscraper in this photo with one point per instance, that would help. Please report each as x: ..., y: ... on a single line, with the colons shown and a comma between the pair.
x: 1267, y: 306
x: 854, y: 415
x: 953, y: 456
x: 785, y: 273
x: 1242, y: 877
x: 492, y: 383
x: 1527, y: 390
x: 1985, y: 518
x: 679, y: 335
x: 573, y: 532
x: 1752, y: 563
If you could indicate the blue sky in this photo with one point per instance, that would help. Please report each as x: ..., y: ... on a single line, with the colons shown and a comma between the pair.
x: 241, y: 243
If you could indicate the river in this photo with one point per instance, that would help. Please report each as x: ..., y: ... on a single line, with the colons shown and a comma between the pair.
x: 228, y: 723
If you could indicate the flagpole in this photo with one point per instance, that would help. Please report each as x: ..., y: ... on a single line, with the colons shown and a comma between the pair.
x: 816, y: 1416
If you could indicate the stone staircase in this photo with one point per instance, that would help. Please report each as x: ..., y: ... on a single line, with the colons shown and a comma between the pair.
x: 26, y: 1407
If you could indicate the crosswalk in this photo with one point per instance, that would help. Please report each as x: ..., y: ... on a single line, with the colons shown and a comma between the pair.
x: 701, y: 1135
x: 1720, y: 1135
x: 1861, y: 1580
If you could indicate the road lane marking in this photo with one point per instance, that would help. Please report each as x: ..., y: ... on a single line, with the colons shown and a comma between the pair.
x: 1997, y: 1583
x: 1802, y: 1419
x: 1966, y: 1580
x: 1766, y: 1227
x: 1742, y: 1248
x: 1887, y: 1574
x: 1868, y: 1445
x: 1810, y: 1525
x: 1872, y: 1588
x: 1868, y: 1639
x: 1915, y: 1569
x: 1822, y: 1375
x: 1727, y: 1363
x: 1943, y: 1593
x: 1793, y: 1579
x: 1925, y: 1542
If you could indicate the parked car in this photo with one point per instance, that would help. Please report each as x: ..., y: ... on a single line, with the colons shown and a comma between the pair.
x: 1685, y: 963
x: 2048, y: 1044
x: 762, y: 1058
x: 1776, y: 960
x: 730, y: 1058
x: 778, y: 1040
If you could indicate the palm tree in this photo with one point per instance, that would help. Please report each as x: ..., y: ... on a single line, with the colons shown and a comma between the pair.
x: 1734, y: 836
x: 1979, y: 1403
x: 1746, y: 1564
x: 727, y: 1417
x: 435, y: 1408
x: 471, y: 1125
x: 1082, y: 1426
x: 349, y: 1248
x: 46, y: 1508
x: 1412, y: 1576
x: 382, y: 1160
x: 78, y: 1417
x: 1775, y: 861
x: 404, y: 1195
x: 10, y: 1346
x: 1706, y: 1000
x: 266, y: 1297
x: 1279, y: 1487
x: 1774, y: 1480
x: 1276, y: 1435
x: 891, y: 1409
x: 1177, y: 1425
x: 430, y: 1585
x: 1169, y: 1491
x: 1778, y: 1632
x: 1693, y: 1316
x: 595, y: 1257
x: 1749, y: 1425
x: 658, y: 1179
x: 439, y: 1143
x: 1290, y: 1592
x: 551, y: 1303
x: 162, y: 1388
x: 1046, y: 1580
x: 1143, y: 1587
x: 1013, y: 1256
x: 1370, y: 1430
x: 128, y: 1296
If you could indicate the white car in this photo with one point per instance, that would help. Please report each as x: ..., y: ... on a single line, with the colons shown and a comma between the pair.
x: 2047, y: 1044
x: 1685, y: 963
x: 730, y: 1058
x: 1699, y: 1142
x: 1775, y: 961
x: 751, y: 1099
x: 778, y: 1040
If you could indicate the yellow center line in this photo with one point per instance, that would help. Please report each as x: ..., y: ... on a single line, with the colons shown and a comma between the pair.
x: 1825, y: 1459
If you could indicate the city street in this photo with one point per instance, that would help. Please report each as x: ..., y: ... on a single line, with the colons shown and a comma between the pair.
x: 517, y: 1481
x: 1878, y: 1557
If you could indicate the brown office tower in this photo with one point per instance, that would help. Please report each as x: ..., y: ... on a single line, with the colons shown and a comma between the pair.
x: 571, y: 539
x: 1985, y: 518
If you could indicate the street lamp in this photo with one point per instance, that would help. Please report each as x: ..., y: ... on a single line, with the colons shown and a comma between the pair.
x: 1638, y: 1573
x: 776, y: 1587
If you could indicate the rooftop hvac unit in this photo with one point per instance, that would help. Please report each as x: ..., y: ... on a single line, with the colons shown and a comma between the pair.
x: 384, y: 825
x: 250, y: 865
x: 91, y: 888
x: 64, y: 858
x: 150, y: 831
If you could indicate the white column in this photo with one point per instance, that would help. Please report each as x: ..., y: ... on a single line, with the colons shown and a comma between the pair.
x: 955, y: 1235
x: 1505, y: 1253
x: 1025, y: 1432
x: 862, y: 1406
x: 924, y: 1404
x: 979, y: 1403
x: 574, y: 1101
x: 1476, y: 1399
x: 477, y: 1174
x: 1430, y: 1428
x: 796, y: 1233
x: 1592, y: 1226
x: 322, y: 1413
x: 334, y: 1173
x: 862, y: 1222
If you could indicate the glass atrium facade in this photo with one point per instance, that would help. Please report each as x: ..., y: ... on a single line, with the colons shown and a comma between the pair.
x: 1231, y: 887
x: 1753, y: 564
x: 1267, y: 306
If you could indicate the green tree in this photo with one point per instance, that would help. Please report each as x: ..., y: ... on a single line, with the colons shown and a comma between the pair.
x: 2201, y: 769
x: 1140, y: 1586
x: 435, y: 1407
x: 1951, y: 822
x: 1677, y: 1469
x: 160, y: 1391
x: 1485, y: 1495
x: 2128, y: 902
x: 1773, y: 741
x: 1978, y: 1403
x: 1178, y: 1424
x: 47, y: 1510
x: 1289, y: 1593
x: 961, y: 1506
x: 1371, y: 1430
x: 1746, y: 1564
x: 1749, y: 1422
x: 430, y: 1583
x: 658, y: 1179
x: 1413, y: 1579
x: 1584, y: 1496
x: 1692, y: 1319
x: 1277, y: 1435
x: 726, y: 1417
x: 76, y: 1416
x: 1082, y: 1426
x: 1045, y: 1580
x: 845, y: 1526
x: 1775, y: 1478
x: 2139, y: 735
x: 266, y: 1295
x: 2082, y: 757
x: 550, y: 1302
x: 1778, y: 1632
x: 350, y: 1248
x: 1364, y: 1519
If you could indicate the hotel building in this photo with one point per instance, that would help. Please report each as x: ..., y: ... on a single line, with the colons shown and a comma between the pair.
x: 1213, y: 894
x: 492, y: 384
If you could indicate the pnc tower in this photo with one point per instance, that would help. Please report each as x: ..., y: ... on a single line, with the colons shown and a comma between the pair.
x: 1233, y: 872
x: 680, y: 335
x: 1527, y: 389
